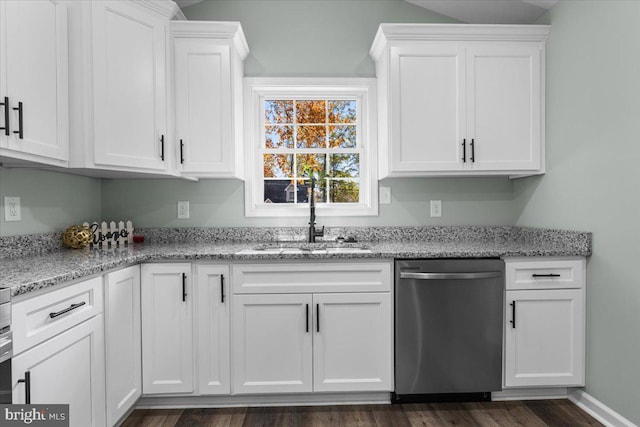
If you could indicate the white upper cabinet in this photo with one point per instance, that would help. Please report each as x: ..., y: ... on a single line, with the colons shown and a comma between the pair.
x: 458, y: 100
x: 34, y: 110
x: 208, y: 60
x: 119, y: 61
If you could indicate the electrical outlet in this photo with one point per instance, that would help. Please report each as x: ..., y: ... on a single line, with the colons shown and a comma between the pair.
x: 436, y: 208
x: 385, y: 195
x: 12, y: 211
x: 183, y: 210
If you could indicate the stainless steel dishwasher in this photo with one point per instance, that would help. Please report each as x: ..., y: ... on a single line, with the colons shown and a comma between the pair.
x: 448, y: 329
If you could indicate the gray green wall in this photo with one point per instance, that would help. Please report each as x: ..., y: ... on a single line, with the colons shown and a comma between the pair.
x: 309, y: 38
x: 50, y: 201
x: 592, y: 182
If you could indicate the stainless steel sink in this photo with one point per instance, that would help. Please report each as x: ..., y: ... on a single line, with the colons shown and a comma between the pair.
x: 312, y: 249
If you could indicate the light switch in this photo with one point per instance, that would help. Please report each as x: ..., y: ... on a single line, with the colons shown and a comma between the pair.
x: 436, y: 208
x: 385, y: 195
x: 183, y: 210
x: 12, y: 211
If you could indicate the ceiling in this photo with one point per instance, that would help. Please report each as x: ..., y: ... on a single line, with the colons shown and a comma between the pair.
x: 489, y: 11
x: 474, y: 11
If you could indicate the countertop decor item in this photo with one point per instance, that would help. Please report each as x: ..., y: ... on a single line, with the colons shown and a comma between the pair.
x: 77, y: 236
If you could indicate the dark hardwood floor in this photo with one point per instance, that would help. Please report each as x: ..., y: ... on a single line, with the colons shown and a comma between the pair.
x: 514, y: 413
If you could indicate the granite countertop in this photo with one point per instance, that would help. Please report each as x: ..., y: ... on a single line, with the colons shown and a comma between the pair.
x: 33, y: 272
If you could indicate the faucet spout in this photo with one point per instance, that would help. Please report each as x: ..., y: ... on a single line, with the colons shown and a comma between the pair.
x: 313, y: 233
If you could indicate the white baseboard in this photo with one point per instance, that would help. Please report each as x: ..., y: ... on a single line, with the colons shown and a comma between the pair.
x: 598, y: 410
x: 302, y: 399
x: 530, y: 394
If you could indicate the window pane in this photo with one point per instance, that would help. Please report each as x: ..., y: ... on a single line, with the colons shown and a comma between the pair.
x: 278, y: 111
x: 342, y: 111
x: 311, y: 111
x: 311, y: 136
x: 309, y: 163
x: 278, y: 136
x: 304, y: 190
x: 342, y: 136
x: 344, y: 165
x: 344, y: 191
x: 278, y: 165
x: 279, y: 191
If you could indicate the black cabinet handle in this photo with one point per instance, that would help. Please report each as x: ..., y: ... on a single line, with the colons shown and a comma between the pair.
x: 307, y: 317
x: 473, y: 150
x: 222, y: 288
x: 27, y: 387
x: 181, y: 152
x: 66, y: 310
x: 20, y: 130
x: 464, y: 150
x: 5, y: 104
x: 184, y: 287
x: 513, y: 315
x: 162, y: 147
x: 317, y: 317
x: 535, y: 276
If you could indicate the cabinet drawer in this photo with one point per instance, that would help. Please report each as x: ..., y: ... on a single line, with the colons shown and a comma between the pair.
x: 545, y: 274
x: 32, y: 320
x: 308, y: 278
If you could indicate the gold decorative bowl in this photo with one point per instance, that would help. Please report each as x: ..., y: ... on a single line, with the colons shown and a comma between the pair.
x: 77, y: 236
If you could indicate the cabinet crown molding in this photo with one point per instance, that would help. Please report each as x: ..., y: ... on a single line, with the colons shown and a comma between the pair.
x: 228, y: 30
x: 455, y: 32
x: 166, y: 8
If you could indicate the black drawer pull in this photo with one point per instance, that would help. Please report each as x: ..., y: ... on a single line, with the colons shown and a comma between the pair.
x: 162, y: 147
x: 5, y: 104
x: 535, y: 276
x: 473, y: 150
x: 307, y: 316
x: 513, y: 315
x: 20, y: 130
x: 66, y: 310
x: 27, y: 387
x: 464, y: 150
x: 184, y: 287
x: 181, y: 152
x: 222, y: 288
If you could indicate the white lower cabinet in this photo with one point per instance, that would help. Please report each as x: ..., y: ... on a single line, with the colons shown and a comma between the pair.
x: 123, y: 347
x: 272, y: 343
x: 60, y: 351
x: 167, y: 329
x: 311, y: 341
x: 544, y: 325
x: 213, y: 329
x: 352, y: 342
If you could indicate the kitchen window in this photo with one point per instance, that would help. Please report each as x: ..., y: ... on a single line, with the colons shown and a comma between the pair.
x: 298, y: 128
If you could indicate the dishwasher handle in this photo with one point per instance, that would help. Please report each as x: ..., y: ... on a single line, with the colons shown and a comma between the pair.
x: 450, y: 276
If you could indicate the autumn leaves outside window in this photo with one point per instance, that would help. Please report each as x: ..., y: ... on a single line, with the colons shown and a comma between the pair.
x: 302, y: 137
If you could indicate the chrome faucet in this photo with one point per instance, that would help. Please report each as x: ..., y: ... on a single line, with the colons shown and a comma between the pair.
x: 313, y: 233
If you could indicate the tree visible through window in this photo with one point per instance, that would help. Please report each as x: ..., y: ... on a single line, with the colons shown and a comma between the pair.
x: 305, y: 137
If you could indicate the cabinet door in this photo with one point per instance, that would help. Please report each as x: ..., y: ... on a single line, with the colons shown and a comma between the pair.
x: 167, y: 340
x: 123, y: 347
x: 203, y: 106
x: 427, y: 108
x: 33, y: 57
x: 213, y: 329
x: 545, y: 345
x: 504, y: 106
x: 352, y: 348
x: 129, y: 86
x: 272, y: 343
x: 67, y: 369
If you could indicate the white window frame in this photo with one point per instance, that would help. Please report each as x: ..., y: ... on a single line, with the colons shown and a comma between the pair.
x: 257, y: 89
